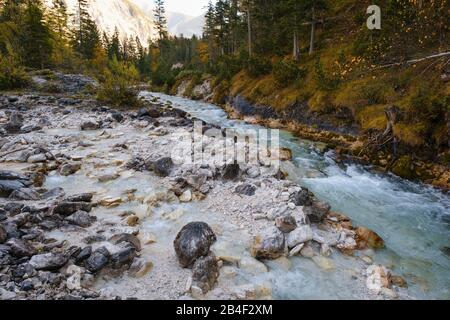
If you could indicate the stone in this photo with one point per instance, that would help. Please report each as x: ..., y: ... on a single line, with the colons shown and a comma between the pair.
x: 231, y: 171
x: 302, y: 198
x: 67, y: 208
x: 25, y: 194
x: 132, y: 220
x: 196, y: 181
x: 3, y: 235
x: 399, y: 281
x: 254, y: 172
x: 127, y: 238
x: 269, y: 244
x: 325, y: 250
x: 98, y: 260
x: 83, y: 255
x: 296, y: 250
x: 317, y: 212
x: 140, y: 267
x: 37, y: 158
x: 366, y: 238
x: 9, y: 186
x: 117, y: 116
x: 69, y: 169
x: 186, y: 196
x: 84, y: 197
x: 245, y: 189
x: 108, y: 177
x: 205, y: 272
x: 193, y: 241
x: 110, y: 202
x: 48, y: 261
x: 81, y: 219
x: 162, y: 167
x: 252, y: 265
x: 285, y: 154
x: 90, y: 125
x: 78, y: 278
x: 307, y: 252
x: 377, y: 278
x: 123, y: 257
x: 286, y: 223
x: 14, y: 124
x: 324, y: 263
x: 298, y: 236
x: 20, y: 248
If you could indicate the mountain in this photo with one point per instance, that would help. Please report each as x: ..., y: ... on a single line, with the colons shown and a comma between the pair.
x: 129, y: 18
x: 178, y: 23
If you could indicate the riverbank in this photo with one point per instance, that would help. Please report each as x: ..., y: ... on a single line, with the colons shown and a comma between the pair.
x: 83, y: 217
x: 339, y: 130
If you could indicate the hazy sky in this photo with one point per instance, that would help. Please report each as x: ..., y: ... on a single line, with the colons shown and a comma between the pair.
x: 190, y: 7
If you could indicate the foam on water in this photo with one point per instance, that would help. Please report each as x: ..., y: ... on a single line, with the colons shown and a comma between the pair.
x: 412, y: 218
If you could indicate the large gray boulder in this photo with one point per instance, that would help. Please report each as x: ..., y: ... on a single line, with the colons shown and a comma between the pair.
x: 192, y: 242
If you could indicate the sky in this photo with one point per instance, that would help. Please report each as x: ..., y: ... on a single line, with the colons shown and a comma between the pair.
x: 189, y: 7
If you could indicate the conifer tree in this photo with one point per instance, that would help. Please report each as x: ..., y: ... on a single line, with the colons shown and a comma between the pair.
x: 160, y: 20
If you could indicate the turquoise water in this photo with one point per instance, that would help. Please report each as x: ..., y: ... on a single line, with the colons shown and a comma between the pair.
x: 413, y: 219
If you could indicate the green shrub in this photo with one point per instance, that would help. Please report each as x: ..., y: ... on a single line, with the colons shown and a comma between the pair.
x: 119, y: 92
x: 257, y: 67
x: 324, y: 81
x: 286, y: 72
x: 12, y: 76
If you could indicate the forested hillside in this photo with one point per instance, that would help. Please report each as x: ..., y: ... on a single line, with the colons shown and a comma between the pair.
x: 313, y: 64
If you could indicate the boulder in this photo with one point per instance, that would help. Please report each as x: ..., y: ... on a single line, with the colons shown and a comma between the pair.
x: 140, y: 267
x: 317, y: 212
x: 67, y: 208
x: 20, y: 248
x: 196, y: 181
x: 302, y: 198
x: 245, y: 189
x: 90, y: 125
x: 25, y: 194
x: 366, y: 238
x: 286, y: 223
x: 69, y: 168
x: 37, y: 158
x: 98, y: 260
x: 269, y: 244
x: 205, y: 272
x: 298, y: 236
x: 127, y: 238
x: 193, y: 241
x: 48, y: 261
x: 162, y: 167
x: 378, y: 277
x: 84, y: 254
x: 84, y: 197
x: 123, y: 257
x: 117, y: 116
x: 81, y: 219
x: 230, y: 171
x: 14, y: 124
x: 9, y: 186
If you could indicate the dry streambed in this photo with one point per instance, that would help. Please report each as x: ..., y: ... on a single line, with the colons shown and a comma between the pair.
x: 92, y: 206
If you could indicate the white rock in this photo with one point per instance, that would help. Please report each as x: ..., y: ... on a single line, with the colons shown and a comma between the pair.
x: 300, y: 235
x: 186, y: 196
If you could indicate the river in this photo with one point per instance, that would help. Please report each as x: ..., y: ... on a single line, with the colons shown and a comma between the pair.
x: 412, y: 218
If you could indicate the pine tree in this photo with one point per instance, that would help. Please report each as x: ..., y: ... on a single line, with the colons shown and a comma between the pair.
x: 160, y: 20
x: 35, y: 36
x: 86, y: 37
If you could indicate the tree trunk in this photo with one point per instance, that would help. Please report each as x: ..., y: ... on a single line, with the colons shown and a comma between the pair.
x: 296, y: 48
x: 249, y: 27
x: 313, y: 31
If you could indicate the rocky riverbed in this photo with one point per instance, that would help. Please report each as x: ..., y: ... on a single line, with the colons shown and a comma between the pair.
x: 93, y: 207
